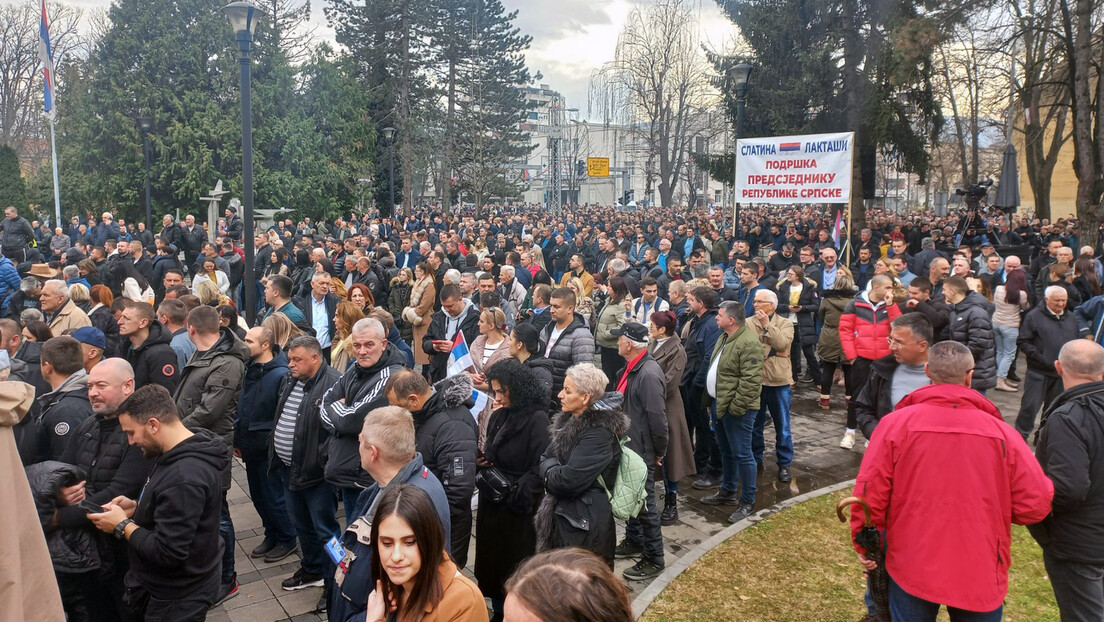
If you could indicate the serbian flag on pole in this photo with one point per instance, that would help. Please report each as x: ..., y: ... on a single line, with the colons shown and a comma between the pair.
x: 460, y: 358
x: 837, y: 229
x: 47, y: 55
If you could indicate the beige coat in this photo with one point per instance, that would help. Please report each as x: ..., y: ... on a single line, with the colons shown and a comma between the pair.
x: 68, y: 317
x: 776, y: 338
x: 679, y: 461
x: 28, y: 589
x: 419, y: 313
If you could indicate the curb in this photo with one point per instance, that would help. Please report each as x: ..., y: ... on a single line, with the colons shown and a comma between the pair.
x: 644, y: 600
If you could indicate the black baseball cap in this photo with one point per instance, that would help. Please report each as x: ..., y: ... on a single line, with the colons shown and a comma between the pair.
x: 633, y: 330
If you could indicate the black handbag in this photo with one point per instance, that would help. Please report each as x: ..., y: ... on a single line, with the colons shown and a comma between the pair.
x: 493, y: 484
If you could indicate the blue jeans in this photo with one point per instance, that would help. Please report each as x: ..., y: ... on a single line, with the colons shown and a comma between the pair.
x: 267, y: 493
x: 349, y: 498
x: 737, y: 462
x: 313, y: 512
x: 905, y: 606
x: 776, y: 401
x: 1006, y: 347
x: 226, y: 532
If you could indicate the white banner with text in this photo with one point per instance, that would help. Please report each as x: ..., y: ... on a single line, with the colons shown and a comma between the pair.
x: 814, y: 168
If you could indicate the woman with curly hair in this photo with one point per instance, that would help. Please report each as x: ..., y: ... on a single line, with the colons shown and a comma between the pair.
x: 345, y: 317
x: 517, y: 436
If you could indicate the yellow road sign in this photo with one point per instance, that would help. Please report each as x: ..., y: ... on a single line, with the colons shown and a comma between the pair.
x: 597, y: 167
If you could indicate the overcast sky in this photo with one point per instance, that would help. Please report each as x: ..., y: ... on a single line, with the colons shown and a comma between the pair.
x: 571, y: 38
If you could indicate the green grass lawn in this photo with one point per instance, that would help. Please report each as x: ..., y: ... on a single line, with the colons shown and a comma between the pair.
x: 799, y: 566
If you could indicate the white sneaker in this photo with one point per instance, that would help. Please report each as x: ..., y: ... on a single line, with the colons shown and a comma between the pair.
x: 848, y: 441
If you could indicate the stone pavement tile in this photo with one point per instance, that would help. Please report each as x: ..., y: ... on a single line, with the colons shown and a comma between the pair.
x: 300, y: 602
x: 307, y: 617
x: 266, y: 611
x: 248, y: 593
x: 283, y: 570
x: 218, y: 614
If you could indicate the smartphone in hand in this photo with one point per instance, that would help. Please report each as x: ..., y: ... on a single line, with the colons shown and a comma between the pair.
x: 90, y: 507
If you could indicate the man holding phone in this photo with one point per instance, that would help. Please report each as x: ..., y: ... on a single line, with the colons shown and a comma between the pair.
x: 115, y: 468
x: 172, y: 529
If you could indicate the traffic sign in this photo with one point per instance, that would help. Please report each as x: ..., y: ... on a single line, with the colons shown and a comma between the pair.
x: 598, y: 167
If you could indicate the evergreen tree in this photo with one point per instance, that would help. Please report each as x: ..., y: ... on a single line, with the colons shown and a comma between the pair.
x: 490, y: 106
x: 13, y: 190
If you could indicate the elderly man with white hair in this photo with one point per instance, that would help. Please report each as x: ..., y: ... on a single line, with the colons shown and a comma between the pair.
x: 776, y: 333
x: 60, y: 312
x: 361, y: 389
x: 510, y: 288
x: 1043, y: 332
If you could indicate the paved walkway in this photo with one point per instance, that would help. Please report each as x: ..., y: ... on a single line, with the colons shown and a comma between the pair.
x: 818, y: 462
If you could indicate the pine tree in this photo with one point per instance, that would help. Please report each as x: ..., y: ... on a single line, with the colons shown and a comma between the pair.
x: 490, y: 104
x: 13, y: 190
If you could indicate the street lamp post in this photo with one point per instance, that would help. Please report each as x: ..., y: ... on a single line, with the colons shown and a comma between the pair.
x: 741, y: 73
x: 389, y: 138
x: 144, y: 126
x: 243, y: 18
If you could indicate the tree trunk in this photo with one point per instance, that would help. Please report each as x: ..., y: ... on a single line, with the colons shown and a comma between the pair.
x: 852, y: 58
x: 1085, y: 163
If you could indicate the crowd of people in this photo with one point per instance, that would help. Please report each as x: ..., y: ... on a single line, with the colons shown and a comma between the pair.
x: 591, y: 333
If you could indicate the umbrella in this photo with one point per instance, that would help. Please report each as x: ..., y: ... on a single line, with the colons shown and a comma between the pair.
x: 873, y: 541
x: 1008, y: 191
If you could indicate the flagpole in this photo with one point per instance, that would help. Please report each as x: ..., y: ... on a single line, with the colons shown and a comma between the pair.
x: 57, y: 189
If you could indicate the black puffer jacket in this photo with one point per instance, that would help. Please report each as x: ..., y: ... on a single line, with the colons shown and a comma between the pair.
x: 1071, y: 451
x: 970, y: 325
x: 344, y: 406
x: 71, y: 550
x: 446, y: 436
x: 575, y: 345
x: 114, y: 467
x: 542, y: 369
x: 809, y: 301
x: 575, y: 510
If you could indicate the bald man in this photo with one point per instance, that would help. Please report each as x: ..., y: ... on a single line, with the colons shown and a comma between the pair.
x: 115, y: 468
x: 1071, y: 452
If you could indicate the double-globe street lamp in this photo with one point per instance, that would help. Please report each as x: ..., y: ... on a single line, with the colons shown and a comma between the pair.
x: 243, y: 19
x: 389, y: 138
x: 145, y: 124
x: 739, y: 76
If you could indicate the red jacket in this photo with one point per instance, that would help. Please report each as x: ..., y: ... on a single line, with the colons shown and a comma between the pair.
x: 864, y: 328
x: 946, y: 477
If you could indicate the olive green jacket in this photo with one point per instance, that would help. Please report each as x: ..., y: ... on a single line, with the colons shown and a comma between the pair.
x: 739, y: 373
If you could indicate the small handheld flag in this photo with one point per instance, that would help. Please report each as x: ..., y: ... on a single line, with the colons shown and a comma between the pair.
x: 837, y: 229
x: 459, y: 358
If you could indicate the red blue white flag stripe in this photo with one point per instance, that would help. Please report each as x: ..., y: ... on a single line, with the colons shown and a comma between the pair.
x: 459, y: 358
x: 46, y: 53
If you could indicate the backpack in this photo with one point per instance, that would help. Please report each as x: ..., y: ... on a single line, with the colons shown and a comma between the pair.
x: 628, y: 494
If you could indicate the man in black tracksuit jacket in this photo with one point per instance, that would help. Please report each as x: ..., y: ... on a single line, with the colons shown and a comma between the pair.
x: 360, y: 390
x: 172, y: 529
x: 1071, y: 451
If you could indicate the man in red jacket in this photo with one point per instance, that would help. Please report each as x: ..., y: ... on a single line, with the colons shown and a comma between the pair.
x: 864, y: 336
x: 956, y: 477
